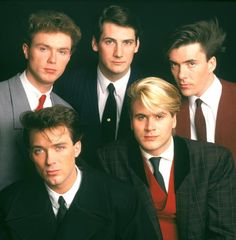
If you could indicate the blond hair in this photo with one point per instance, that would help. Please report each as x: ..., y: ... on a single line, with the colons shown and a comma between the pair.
x: 155, y: 92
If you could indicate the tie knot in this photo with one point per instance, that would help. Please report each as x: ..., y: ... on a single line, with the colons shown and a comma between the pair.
x: 155, y: 161
x: 111, y: 88
x: 61, y: 201
x: 198, y: 102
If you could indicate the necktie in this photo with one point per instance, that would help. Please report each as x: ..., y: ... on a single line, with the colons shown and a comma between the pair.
x: 62, y: 209
x: 109, y: 116
x: 200, y: 124
x: 41, y: 102
x: 155, y: 161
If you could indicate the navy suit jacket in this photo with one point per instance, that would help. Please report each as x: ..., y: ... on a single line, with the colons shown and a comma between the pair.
x: 104, y: 208
x: 205, y: 185
x: 79, y: 88
x: 225, y: 132
x: 14, y: 163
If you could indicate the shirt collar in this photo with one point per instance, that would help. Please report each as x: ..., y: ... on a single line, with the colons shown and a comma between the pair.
x: 120, y: 84
x: 168, y: 154
x: 69, y: 195
x: 30, y: 88
x: 215, y: 89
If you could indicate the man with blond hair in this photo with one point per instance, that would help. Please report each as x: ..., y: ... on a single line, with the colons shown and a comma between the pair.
x: 188, y: 187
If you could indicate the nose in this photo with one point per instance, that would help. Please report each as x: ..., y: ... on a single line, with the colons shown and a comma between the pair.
x: 118, y: 51
x: 150, y: 124
x: 181, y: 73
x: 50, y: 159
x: 52, y: 57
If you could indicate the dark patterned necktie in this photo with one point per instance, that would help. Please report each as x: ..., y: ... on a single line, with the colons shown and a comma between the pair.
x: 155, y: 161
x: 62, y: 209
x: 200, y: 123
x: 109, y: 116
x: 41, y: 102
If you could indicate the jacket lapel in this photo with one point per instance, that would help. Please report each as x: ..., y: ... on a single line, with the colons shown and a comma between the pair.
x: 19, y: 100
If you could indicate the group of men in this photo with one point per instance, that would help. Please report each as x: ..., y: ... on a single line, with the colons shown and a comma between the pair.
x: 113, y: 153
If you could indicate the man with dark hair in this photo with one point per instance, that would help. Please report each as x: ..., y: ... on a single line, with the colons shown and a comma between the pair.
x: 116, y: 39
x: 208, y: 111
x: 67, y: 202
x: 50, y: 39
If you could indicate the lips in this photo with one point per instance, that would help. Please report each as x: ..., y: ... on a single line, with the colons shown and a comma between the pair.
x: 50, y: 70
x: 52, y: 172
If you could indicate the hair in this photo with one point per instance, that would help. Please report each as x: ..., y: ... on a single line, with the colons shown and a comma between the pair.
x: 52, y: 21
x: 120, y: 16
x: 155, y: 92
x: 49, y: 118
x: 207, y: 33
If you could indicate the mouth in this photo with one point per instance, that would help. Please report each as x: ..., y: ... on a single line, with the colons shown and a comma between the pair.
x: 150, y: 138
x: 52, y: 172
x: 50, y: 70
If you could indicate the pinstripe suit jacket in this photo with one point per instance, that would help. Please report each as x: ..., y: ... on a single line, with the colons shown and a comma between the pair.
x: 225, y: 132
x: 205, y: 185
x: 14, y: 163
x: 79, y: 88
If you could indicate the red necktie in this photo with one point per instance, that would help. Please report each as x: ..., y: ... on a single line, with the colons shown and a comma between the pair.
x: 41, y: 102
x: 200, y: 124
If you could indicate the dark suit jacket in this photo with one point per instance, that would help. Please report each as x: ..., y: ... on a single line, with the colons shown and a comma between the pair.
x: 79, y: 88
x: 205, y: 185
x: 14, y: 162
x: 225, y: 133
x: 103, y: 209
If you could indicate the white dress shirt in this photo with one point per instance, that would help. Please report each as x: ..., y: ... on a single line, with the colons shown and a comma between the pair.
x: 119, y: 93
x: 211, y: 99
x: 165, y: 162
x: 68, y: 196
x: 33, y: 94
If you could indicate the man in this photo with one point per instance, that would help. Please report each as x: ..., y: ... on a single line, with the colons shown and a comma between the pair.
x: 66, y: 201
x: 50, y: 40
x: 192, y: 52
x: 116, y: 40
x: 191, y: 195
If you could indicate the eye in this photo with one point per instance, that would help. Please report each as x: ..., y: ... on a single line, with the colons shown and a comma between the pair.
x: 109, y: 41
x: 59, y: 148
x: 140, y: 117
x: 128, y: 42
x: 43, y: 49
x: 64, y: 52
x: 173, y: 65
x: 192, y: 64
x: 37, y: 151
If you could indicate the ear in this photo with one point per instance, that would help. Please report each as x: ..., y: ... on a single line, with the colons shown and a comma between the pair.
x: 212, y: 64
x: 94, y: 44
x: 174, y: 122
x: 137, y: 45
x: 25, y: 48
x: 77, y: 147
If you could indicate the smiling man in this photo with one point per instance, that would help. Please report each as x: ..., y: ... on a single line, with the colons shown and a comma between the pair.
x: 192, y: 52
x: 66, y: 201
x: 50, y: 39
x: 187, y: 187
x: 116, y: 40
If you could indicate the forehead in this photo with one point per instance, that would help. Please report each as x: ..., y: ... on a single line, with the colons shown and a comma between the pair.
x: 53, y: 39
x: 117, y: 32
x: 138, y: 107
x: 50, y: 136
x: 187, y: 51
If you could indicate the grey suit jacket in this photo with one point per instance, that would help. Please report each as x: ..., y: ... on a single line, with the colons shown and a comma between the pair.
x: 14, y: 163
x: 205, y: 185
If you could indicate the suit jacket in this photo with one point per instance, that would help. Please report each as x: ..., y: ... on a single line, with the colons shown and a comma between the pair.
x: 14, y: 162
x: 103, y: 209
x: 225, y: 132
x: 79, y: 88
x: 205, y: 185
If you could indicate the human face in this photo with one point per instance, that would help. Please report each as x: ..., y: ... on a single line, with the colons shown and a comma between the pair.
x: 47, y: 58
x: 53, y: 154
x: 191, y: 69
x: 152, y: 130
x: 116, y: 49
